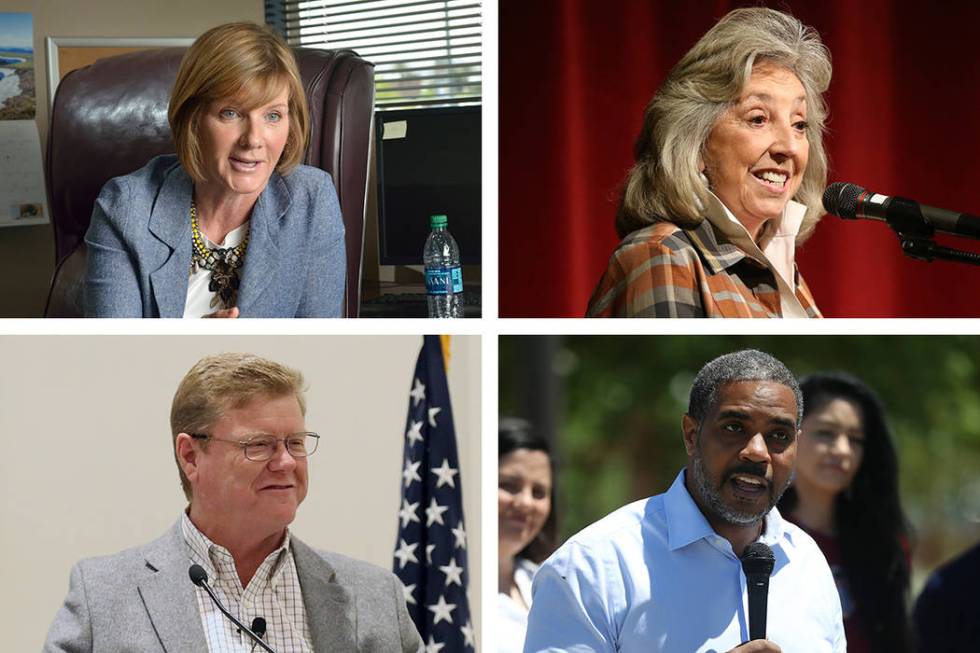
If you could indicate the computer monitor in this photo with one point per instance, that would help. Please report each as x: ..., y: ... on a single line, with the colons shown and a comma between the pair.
x: 428, y: 163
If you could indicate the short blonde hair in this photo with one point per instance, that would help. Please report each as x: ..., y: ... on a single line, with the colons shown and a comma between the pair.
x: 244, y: 61
x: 226, y: 381
x: 666, y: 183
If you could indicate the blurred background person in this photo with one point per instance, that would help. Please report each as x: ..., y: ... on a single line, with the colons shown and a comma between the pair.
x: 730, y: 168
x: 845, y: 496
x: 232, y: 225
x: 947, y: 613
x: 527, y: 524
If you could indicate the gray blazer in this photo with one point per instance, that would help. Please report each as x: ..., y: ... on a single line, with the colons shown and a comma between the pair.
x: 142, y: 601
x: 139, y: 246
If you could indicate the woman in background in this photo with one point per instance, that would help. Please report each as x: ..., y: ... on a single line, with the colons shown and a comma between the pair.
x: 527, y: 526
x: 846, y: 497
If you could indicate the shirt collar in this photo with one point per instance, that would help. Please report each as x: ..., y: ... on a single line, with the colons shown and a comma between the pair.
x: 778, y: 240
x: 218, y: 561
x: 687, y: 524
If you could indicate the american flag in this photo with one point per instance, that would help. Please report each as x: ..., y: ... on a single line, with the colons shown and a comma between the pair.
x: 430, y: 551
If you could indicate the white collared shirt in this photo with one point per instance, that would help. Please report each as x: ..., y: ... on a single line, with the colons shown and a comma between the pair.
x: 654, y: 576
x: 778, y: 247
x: 273, y: 593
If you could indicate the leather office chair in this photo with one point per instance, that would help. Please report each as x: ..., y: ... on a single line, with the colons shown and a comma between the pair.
x: 110, y: 118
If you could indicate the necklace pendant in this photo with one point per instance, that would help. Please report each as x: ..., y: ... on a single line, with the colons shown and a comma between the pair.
x: 224, y: 283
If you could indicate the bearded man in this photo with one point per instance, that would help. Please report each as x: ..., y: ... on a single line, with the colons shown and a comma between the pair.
x: 664, y: 573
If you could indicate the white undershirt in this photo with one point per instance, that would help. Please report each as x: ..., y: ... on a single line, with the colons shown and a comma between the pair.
x: 198, y: 302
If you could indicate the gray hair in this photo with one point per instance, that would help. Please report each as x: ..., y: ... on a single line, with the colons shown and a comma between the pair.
x: 665, y: 183
x: 745, y: 365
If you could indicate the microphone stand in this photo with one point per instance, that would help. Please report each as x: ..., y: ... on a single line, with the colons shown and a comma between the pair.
x: 916, y: 238
x: 256, y: 638
x: 926, y: 249
x: 200, y: 578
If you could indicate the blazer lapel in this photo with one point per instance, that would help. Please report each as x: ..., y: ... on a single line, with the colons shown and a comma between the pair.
x: 262, y: 256
x: 329, y: 605
x: 169, y: 597
x: 170, y: 223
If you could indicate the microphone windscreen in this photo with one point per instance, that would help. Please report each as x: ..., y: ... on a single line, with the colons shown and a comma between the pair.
x: 758, y: 559
x: 198, y: 575
x: 258, y: 626
x: 841, y: 199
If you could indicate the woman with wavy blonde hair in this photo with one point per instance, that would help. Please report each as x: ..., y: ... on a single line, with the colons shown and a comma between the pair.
x: 231, y: 225
x: 729, y: 171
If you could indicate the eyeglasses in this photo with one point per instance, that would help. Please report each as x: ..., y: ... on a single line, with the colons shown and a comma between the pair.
x: 261, y: 448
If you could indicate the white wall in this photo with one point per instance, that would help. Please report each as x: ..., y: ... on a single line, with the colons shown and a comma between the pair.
x: 87, y: 465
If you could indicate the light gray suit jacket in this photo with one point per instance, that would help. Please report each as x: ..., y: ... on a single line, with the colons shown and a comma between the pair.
x: 142, y: 601
x: 139, y: 246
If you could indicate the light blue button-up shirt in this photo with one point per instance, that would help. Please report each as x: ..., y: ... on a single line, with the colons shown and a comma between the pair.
x: 654, y: 576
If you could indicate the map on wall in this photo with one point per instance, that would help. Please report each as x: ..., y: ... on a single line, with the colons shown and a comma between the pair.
x: 22, y: 193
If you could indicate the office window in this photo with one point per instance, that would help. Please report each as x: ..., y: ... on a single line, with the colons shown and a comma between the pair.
x: 426, y: 53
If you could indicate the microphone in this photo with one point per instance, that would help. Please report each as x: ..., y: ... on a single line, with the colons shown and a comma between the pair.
x: 258, y: 625
x: 851, y: 201
x: 757, y: 564
x: 200, y: 578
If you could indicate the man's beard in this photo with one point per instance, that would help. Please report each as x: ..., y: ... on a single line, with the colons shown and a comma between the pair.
x: 715, y: 504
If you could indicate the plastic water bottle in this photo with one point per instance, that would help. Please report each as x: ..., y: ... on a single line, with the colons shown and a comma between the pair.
x: 443, y: 275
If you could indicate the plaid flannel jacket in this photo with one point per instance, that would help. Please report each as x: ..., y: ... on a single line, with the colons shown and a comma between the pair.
x: 666, y: 271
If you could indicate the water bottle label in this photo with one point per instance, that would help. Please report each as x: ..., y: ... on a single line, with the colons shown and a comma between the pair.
x: 456, y: 275
x: 442, y: 281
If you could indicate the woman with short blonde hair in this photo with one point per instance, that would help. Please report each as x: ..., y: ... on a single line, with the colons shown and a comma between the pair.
x: 730, y: 167
x: 232, y: 225
x: 239, y: 60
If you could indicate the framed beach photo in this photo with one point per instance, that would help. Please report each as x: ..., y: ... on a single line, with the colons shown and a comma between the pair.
x: 17, y: 96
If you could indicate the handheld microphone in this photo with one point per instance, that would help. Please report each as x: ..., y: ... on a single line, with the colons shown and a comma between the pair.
x: 757, y: 564
x: 200, y: 578
x: 852, y: 202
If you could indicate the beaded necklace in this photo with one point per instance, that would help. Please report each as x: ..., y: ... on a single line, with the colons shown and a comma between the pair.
x: 223, y: 262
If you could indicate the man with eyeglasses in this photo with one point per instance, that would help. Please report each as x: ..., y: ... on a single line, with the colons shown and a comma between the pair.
x: 241, y: 446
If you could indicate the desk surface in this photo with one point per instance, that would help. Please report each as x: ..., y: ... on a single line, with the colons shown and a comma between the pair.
x: 409, y: 300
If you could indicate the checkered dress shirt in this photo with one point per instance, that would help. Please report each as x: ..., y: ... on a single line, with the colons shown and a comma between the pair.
x: 273, y: 594
x: 666, y: 271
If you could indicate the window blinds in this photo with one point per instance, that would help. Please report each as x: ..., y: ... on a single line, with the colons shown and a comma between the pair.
x: 426, y: 53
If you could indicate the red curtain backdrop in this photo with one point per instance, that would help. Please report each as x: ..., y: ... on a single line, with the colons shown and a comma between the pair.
x: 575, y: 76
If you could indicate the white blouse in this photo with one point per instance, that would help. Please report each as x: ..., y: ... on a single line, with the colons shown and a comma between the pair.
x: 198, y: 302
x: 512, y: 623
